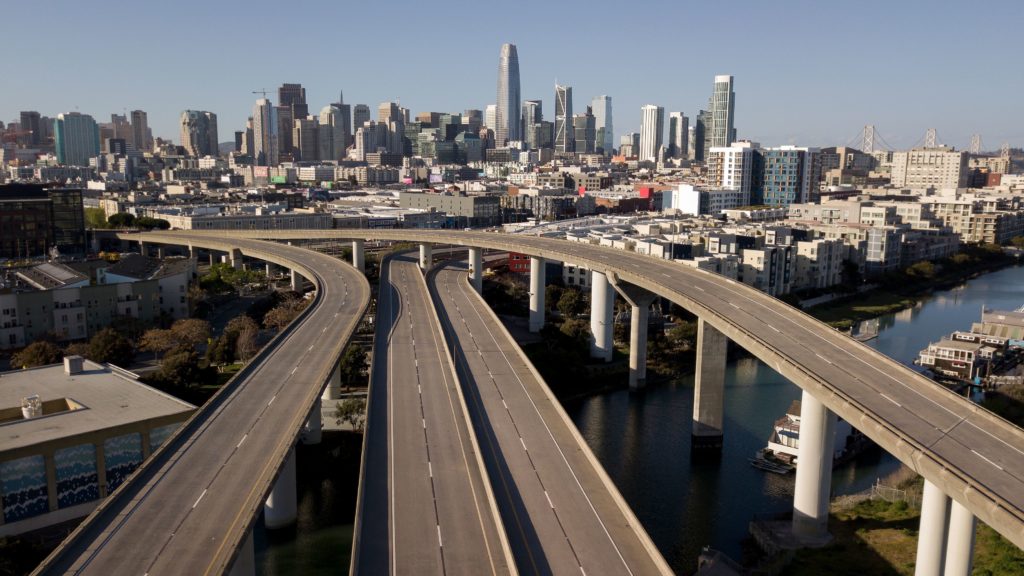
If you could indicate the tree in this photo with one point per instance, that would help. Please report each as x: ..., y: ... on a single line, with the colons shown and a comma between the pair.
x: 38, y: 353
x: 924, y: 270
x: 109, y: 346
x: 158, y: 341
x: 552, y: 294
x: 245, y: 331
x: 284, y: 313
x: 571, y: 303
x: 181, y: 369
x: 191, y: 332
x: 352, y: 366
x: 1017, y: 242
x: 147, y: 223
x: 77, y: 349
x: 352, y: 411
x: 683, y: 332
x: 95, y: 218
x: 576, y: 330
x: 121, y: 220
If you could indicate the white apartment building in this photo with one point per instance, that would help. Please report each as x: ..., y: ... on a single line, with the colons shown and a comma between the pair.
x: 818, y: 263
x: 939, y: 168
x: 730, y: 167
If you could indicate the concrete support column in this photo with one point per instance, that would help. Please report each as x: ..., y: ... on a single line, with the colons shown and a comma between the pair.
x: 161, y: 252
x: 814, y: 471
x: 931, y: 539
x: 537, y: 285
x: 213, y: 258
x: 192, y: 252
x: 333, y: 389
x: 312, y: 431
x: 269, y: 270
x: 960, y: 541
x: 476, y: 269
x: 359, y: 255
x: 426, y: 256
x: 281, y: 507
x: 296, y: 281
x: 236, y: 259
x: 143, y: 248
x: 602, y: 316
x: 638, y: 345
x: 245, y: 562
x: 709, y: 387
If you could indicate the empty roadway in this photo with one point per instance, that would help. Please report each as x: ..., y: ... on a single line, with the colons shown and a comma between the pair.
x: 425, y: 503
x: 973, y: 455
x: 187, y: 510
x: 561, y: 513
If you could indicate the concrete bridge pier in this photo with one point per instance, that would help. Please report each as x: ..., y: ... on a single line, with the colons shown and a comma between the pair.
x: 296, y: 280
x: 213, y: 258
x: 161, y: 252
x: 236, y: 259
x: 192, y: 251
x: 537, y: 285
x: 960, y: 540
x: 426, y: 256
x: 281, y: 507
x: 602, y: 316
x: 333, y: 389
x: 640, y: 300
x: 359, y: 255
x: 476, y: 269
x: 245, y: 562
x: 143, y: 248
x: 709, y: 388
x: 312, y: 431
x: 269, y: 269
x: 931, y: 539
x: 814, y: 472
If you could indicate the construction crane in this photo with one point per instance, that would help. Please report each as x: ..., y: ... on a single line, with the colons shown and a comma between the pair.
x: 262, y: 91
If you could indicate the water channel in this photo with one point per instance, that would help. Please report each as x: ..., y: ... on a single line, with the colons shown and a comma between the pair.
x: 643, y: 441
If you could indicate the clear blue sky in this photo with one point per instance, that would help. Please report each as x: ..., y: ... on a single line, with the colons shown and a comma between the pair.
x: 807, y: 72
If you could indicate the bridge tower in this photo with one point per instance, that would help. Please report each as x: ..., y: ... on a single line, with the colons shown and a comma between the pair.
x: 929, y: 138
x: 867, y: 142
x: 975, y: 144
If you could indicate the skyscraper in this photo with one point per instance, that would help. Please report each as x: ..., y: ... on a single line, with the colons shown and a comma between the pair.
x: 76, y: 138
x: 140, y: 130
x: 345, y: 138
x: 360, y: 116
x: 264, y: 133
x: 199, y: 133
x: 699, y: 136
x: 678, y: 135
x: 294, y: 97
x: 333, y: 136
x: 602, y: 107
x: 30, y: 124
x: 720, y: 112
x: 507, y: 112
x: 491, y: 116
x: 563, y: 119
x: 652, y: 127
x: 532, y: 114
x: 306, y: 139
x: 584, y: 131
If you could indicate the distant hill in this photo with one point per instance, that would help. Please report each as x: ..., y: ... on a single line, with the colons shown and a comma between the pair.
x: 226, y: 147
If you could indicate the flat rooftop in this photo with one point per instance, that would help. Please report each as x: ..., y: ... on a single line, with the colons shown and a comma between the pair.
x: 95, y: 399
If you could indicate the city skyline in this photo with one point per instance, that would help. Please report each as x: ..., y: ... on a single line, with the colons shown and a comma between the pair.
x: 826, y: 99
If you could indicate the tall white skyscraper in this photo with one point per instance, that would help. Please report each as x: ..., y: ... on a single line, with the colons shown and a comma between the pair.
x: 507, y: 113
x: 564, y: 139
x: 602, y: 109
x: 720, y: 113
x: 491, y: 117
x: 652, y: 130
x: 264, y: 133
x: 333, y: 135
x: 678, y: 135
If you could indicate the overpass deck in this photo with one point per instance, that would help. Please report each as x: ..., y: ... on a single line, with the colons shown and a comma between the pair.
x: 561, y: 512
x: 426, y: 505
x: 189, y: 508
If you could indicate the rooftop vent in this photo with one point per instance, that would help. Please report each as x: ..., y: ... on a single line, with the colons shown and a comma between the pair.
x: 73, y: 365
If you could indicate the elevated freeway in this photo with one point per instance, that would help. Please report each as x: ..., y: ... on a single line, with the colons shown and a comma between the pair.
x: 963, y: 451
x: 562, y: 513
x: 191, y: 507
x: 425, y: 504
